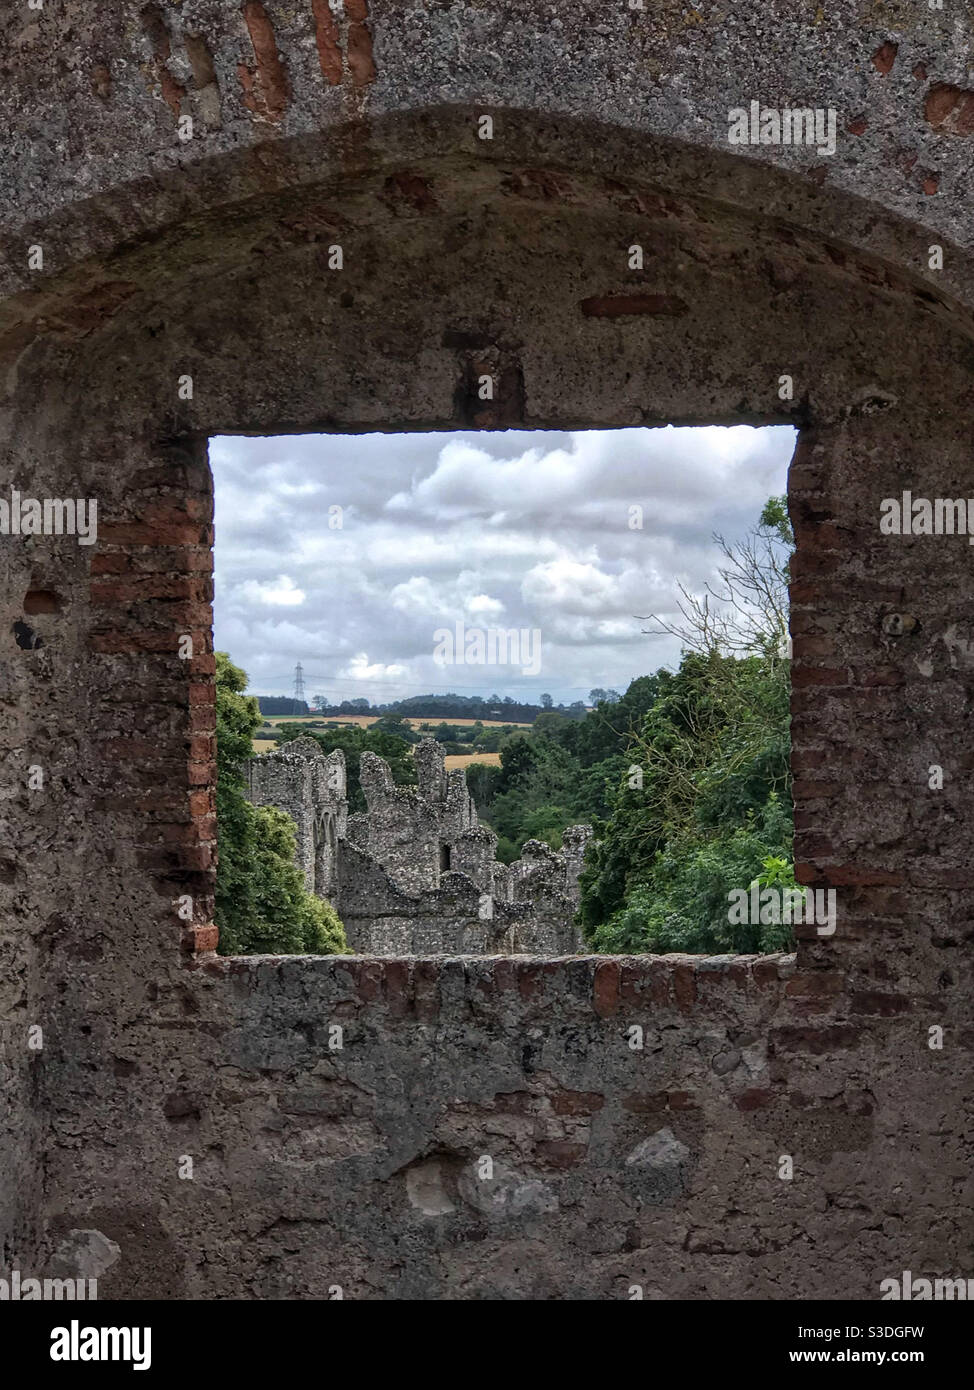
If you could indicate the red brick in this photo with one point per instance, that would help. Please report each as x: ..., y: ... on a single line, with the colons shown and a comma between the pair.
x: 645, y: 1102
x: 111, y: 562
x: 132, y: 643
x: 755, y: 1099
x: 634, y: 982
x: 805, y: 592
x: 201, y: 803
x: 368, y: 978
x: 396, y: 987
x: 818, y: 1041
x: 576, y: 1102
x: 129, y: 750
x: 885, y: 57
x: 659, y: 981
x: 880, y: 1005
x: 605, y: 992
x: 819, y: 983
x: 187, y: 859
x: 684, y: 986
x: 765, y: 972
x: 881, y: 675
x: 426, y: 975
x: 202, y: 720
x: 201, y: 830
x: 559, y: 1153
x: 611, y: 306
x: 530, y: 979
x: 681, y: 1100
x: 199, y: 939
x: 177, y: 535
x: 502, y: 976
x: 802, y: 758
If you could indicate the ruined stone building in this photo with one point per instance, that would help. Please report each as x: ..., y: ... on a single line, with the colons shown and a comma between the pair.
x: 416, y: 873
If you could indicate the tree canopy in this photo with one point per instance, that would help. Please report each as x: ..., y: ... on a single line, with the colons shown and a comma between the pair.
x: 685, y: 777
x: 262, y: 905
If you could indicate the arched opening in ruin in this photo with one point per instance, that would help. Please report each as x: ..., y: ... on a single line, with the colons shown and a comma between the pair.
x: 459, y: 262
x: 204, y: 302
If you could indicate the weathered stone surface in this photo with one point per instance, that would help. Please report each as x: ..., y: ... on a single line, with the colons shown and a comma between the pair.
x: 506, y: 1194
x: 210, y: 258
x: 84, y: 1255
x: 660, y: 1164
x: 416, y: 874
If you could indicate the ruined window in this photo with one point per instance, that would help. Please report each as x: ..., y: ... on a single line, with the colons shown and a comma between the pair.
x: 555, y: 665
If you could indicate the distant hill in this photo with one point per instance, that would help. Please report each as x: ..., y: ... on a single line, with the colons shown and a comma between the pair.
x: 451, y: 706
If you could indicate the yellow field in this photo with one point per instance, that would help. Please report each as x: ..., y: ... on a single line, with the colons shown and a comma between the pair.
x: 364, y: 720
x: 465, y: 759
x: 264, y: 745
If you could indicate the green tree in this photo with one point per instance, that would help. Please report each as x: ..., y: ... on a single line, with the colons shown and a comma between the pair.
x: 262, y: 906
x: 397, y: 725
x: 704, y: 803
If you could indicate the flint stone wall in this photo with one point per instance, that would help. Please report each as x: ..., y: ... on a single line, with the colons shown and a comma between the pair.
x: 209, y: 258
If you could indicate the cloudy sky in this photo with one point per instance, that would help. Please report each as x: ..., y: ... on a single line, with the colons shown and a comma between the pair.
x: 351, y: 554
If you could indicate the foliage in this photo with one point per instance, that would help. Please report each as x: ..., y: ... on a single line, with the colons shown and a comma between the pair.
x: 685, y: 777
x: 748, y: 611
x: 560, y: 772
x: 262, y: 905
x: 447, y: 707
x: 276, y: 705
x: 705, y: 804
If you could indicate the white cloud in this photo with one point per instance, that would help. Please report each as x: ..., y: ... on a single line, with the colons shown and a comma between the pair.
x: 484, y: 607
x: 361, y: 669
x: 279, y: 593
x: 510, y: 528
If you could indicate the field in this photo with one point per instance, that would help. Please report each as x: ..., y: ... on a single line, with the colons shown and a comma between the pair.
x: 364, y: 720
x: 465, y: 759
x: 263, y: 744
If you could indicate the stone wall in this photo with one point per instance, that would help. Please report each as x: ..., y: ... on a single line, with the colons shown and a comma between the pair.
x: 208, y: 258
x: 310, y: 787
x: 415, y: 874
